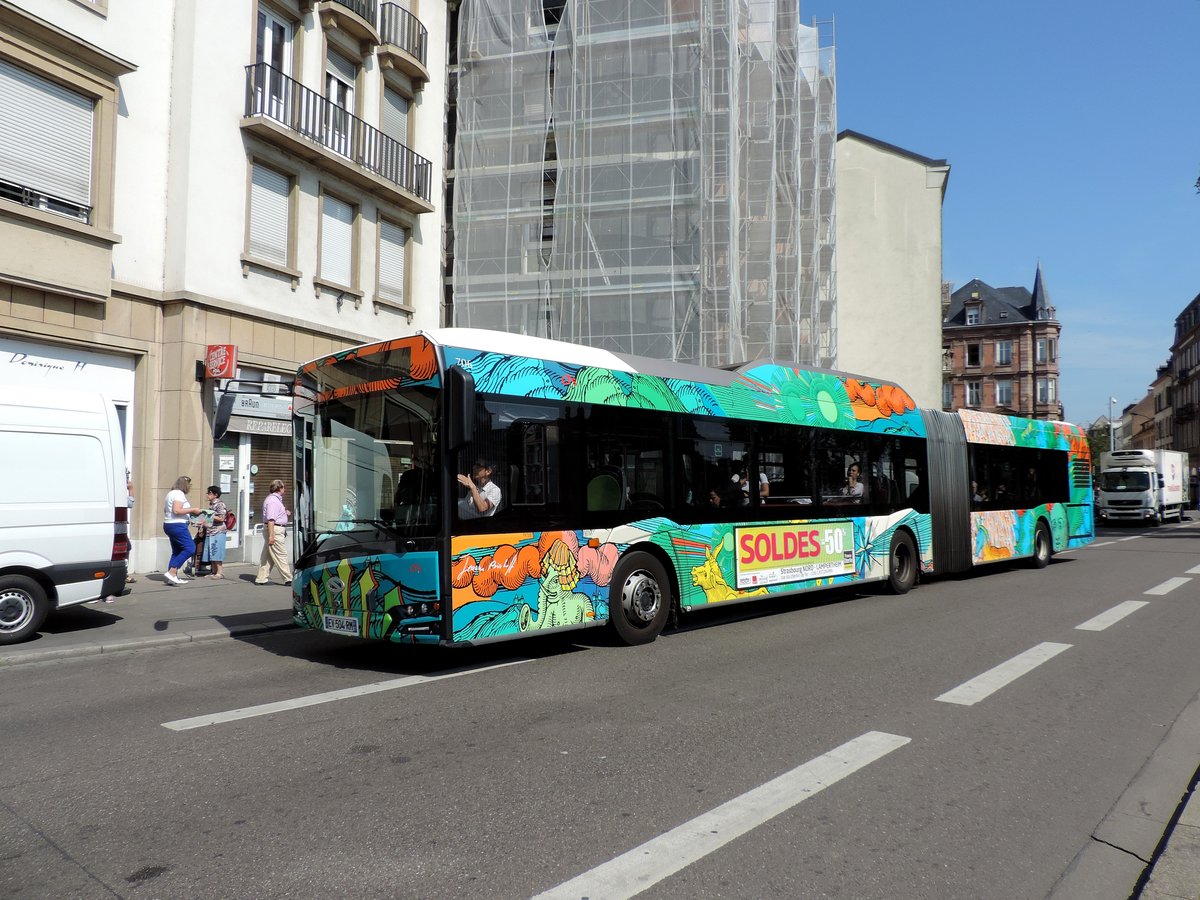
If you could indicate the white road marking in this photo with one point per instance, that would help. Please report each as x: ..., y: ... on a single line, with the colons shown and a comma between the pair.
x: 1194, y: 570
x: 266, y: 709
x: 1112, y: 616
x: 1132, y: 537
x: 982, y: 686
x: 1167, y: 586
x: 1104, y: 544
x: 642, y: 867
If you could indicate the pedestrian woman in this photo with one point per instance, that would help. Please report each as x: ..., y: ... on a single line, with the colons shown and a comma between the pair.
x: 175, y: 525
x: 215, y: 531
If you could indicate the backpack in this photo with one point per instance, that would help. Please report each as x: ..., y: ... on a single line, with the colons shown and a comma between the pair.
x: 230, y: 520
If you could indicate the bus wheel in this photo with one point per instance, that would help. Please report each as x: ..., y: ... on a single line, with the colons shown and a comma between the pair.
x: 902, y: 563
x: 638, y: 599
x: 23, y: 608
x: 1041, y: 547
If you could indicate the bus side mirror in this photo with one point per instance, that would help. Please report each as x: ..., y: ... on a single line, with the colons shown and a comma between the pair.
x: 460, y: 407
x: 224, y: 411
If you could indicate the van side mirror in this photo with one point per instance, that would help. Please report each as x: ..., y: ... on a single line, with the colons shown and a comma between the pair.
x: 460, y: 407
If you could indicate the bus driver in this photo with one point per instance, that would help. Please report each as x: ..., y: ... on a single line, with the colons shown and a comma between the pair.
x: 484, y: 496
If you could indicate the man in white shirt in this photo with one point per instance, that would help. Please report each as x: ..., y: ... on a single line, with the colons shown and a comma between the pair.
x: 484, y: 496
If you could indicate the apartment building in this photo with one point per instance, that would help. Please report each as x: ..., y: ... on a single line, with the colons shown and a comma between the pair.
x: 257, y: 178
x: 1000, y: 350
x: 1185, y: 373
x: 647, y: 177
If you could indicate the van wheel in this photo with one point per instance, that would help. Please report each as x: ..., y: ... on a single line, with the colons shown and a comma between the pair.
x: 1041, y: 547
x: 23, y: 608
x: 639, y: 600
x: 902, y: 564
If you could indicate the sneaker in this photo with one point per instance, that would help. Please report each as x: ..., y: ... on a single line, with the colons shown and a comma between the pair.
x: 173, y: 579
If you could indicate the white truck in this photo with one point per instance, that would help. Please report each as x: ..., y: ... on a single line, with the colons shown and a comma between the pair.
x: 1142, y: 486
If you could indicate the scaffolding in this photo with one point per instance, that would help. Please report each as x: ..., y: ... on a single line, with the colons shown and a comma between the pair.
x: 647, y: 176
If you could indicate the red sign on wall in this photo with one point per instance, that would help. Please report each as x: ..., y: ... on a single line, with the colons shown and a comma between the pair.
x: 220, y: 361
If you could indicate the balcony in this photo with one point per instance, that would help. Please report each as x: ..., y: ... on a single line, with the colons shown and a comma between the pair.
x: 404, y: 43
x: 285, y: 113
x: 354, y: 17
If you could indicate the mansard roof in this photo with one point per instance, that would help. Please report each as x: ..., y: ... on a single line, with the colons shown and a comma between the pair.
x: 1001, y: 306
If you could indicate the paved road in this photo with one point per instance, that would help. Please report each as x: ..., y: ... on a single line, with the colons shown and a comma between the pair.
x: 965, y: 740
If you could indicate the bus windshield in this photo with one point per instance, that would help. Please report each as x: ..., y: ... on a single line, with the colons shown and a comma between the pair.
x: 1124, y: 481
x: 373, y: 478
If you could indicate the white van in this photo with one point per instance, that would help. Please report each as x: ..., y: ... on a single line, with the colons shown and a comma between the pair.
x: 64, y: 504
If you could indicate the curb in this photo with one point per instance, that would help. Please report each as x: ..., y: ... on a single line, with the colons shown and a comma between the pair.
x: 1128, y: 842
x: 144, y: 643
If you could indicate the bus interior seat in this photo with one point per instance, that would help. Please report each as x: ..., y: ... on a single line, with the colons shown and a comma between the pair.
x: 604, y: 491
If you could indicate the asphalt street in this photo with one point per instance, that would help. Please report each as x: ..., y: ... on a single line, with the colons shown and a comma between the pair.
x: 1012, y: 733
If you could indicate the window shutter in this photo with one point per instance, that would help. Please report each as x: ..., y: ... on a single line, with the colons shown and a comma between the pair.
x: 392, y: 241
x: 395, y: 115
x: 45, y: 136
x: 269, y: 192
x: 337, y: 241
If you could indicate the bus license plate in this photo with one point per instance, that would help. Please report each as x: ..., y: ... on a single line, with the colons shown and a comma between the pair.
x: 340, y: 624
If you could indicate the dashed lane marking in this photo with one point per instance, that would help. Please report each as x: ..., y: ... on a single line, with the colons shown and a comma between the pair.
x: 1167, y: 586
x: 1112, y: 616
x: 266, y: 709
x: 1194, y: 570
x: 638, y: 869
x: 982, y: 686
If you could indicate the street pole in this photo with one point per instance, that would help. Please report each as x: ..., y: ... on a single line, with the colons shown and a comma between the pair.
x: 1112, y: 435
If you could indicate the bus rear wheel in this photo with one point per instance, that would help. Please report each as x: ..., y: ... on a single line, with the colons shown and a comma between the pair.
x: 1041, y: 547
x: 639, y: 601
x: 23, y: 608
x: 902, y: 563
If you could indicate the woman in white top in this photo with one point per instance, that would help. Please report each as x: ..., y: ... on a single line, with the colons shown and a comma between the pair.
x: 175, y: 525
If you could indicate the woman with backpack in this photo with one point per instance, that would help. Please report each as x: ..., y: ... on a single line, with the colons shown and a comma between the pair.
x: 215, y: 529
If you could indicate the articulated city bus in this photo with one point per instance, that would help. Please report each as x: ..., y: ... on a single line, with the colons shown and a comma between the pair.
x: 459, y: 486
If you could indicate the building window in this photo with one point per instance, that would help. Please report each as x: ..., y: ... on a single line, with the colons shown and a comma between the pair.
x: 1004, y: 392
x: 1046, y: 390
x: 340, y: 77
x: 947, y: 395
x: 393, y: 245
x: 1047, y: 350
x: 270, y: 216
x: 45, y: 144
x: 974, y: 355
x: 1004, y: 353
x: 337, y: 242
x: 973, y: 315
x: 974, y: 393
x: 273, y: 46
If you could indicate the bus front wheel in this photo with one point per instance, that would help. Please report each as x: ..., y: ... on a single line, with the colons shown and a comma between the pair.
x: 902, y: 563
x: 1041, y: 546
x: 638, y: 598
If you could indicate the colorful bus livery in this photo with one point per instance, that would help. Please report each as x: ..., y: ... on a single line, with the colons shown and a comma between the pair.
x: 633, y: 488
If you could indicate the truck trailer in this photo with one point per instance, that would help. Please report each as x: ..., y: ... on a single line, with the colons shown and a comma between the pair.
x: 1142, y: 486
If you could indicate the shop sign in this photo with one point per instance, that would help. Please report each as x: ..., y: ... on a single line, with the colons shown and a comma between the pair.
x: 220, y: 361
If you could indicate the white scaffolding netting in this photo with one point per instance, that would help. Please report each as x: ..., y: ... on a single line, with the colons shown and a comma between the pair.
x: 646, y: 176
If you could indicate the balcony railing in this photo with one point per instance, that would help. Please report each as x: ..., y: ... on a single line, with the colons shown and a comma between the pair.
x: 365, y: 9
x: 399, y: 27
x: 271, y: 94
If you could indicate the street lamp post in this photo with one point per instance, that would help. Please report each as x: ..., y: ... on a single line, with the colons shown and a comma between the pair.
x: 1112, y: 435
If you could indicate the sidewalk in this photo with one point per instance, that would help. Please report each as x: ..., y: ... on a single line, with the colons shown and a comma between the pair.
x: 154, y: 613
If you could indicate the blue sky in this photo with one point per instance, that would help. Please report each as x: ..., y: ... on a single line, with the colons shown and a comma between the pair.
x: 1072, y: 130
